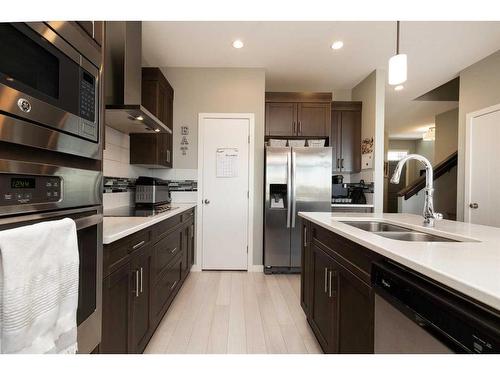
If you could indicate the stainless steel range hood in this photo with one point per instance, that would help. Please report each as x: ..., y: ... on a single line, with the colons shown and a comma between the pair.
x: 123, y: 80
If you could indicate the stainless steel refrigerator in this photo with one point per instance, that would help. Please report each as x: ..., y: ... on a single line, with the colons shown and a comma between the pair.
x: 296, y: 179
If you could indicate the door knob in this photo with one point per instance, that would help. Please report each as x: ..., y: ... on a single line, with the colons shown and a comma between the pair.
x: 207, y: 201
x: 474, y: 205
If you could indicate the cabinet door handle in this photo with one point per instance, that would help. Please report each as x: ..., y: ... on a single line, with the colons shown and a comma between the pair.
x: 192, y: 230
x: 305, y: 236
x: 300, y: 127
x: 138, y: 245
x: 330, y: 275
x: 338, y: 163
x: 168, y: 156
x: 173, y: 285
x: 342, y: 163
x: 326, y: 282
x: 173, y: 250
x: 137, y: 283
x: 293, y: 124
x: 141, y: 279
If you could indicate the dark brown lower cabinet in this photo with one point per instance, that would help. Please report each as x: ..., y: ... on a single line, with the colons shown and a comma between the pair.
x: 323, y: 309
x: 336, y: 294
x: 144, y: 273
x: 116, y: 296
x: 355, y: 313
x: 140, y: 316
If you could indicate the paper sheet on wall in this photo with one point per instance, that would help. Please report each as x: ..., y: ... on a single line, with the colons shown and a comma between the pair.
x: 227, y: 162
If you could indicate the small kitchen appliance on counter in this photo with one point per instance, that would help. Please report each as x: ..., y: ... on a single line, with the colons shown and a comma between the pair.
x: 340, y: 191
x: 151, y: 191
x: 152, y: 197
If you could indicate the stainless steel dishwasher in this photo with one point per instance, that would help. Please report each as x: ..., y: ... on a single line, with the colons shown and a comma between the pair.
x: 414, y: 314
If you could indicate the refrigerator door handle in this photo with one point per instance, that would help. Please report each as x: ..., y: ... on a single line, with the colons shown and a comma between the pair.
x: 289, y: 188
x: 293, y: 190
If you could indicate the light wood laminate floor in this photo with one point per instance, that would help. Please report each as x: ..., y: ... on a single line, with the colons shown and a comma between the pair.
x: 235, y: 312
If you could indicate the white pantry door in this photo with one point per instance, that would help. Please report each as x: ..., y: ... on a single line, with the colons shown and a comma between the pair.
x: 225, y: 188
x: 482, y: 176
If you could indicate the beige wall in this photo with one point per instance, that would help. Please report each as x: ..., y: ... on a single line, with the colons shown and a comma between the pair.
x: 446, y: 135
x: 217, y: 90
x: 479, y: 88
x: 371, y: 91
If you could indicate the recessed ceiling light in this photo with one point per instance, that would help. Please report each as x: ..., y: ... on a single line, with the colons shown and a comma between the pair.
x: 157, y: 130
x: 238, y: 44
x: 338, y: 44
x: 140, y: 118
x: 399, y: 88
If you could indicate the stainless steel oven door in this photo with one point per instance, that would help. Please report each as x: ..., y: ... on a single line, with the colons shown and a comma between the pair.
x: 49, y: 89
x: 89, y: 232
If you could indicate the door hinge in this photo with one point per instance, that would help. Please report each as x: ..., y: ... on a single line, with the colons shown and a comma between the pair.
x: 248, y: 194
x: 248, y: 139
x: 247, y: 249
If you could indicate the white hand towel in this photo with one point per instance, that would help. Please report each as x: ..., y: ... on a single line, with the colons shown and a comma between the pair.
x: 39, y: 288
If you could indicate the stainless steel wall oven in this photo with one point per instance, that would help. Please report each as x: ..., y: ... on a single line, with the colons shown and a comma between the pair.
x: 48, y: 91
x: 31, y: 193
x: 51, y: 145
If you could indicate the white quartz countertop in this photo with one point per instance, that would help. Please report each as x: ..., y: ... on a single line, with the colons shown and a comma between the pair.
x: 472, y: 268
x: 352, y: 205
x: 115, y: 228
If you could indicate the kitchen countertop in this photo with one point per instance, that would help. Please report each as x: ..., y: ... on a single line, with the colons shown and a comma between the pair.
x: 472, y: 268
x: 115, y: 228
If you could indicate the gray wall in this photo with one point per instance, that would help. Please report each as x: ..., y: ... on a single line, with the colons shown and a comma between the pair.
x: 220, y: 90
x: 479, y: 88
x: 425, y: 148
x: 446, y: 135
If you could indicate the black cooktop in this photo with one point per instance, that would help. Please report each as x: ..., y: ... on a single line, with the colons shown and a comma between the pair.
x: 138, y: 211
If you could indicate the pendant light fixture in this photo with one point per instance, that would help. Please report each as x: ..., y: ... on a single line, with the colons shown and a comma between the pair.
x: 397, y: 65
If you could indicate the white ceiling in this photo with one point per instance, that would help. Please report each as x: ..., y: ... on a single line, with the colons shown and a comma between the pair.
x: 297, y: 56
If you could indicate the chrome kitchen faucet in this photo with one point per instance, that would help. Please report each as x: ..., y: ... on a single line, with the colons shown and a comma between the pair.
x: 429, y: 215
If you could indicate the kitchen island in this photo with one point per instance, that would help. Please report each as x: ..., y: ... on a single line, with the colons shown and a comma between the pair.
x: 338, y: 257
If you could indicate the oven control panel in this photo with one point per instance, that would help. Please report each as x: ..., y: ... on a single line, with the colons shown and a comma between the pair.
x: 25, y: 189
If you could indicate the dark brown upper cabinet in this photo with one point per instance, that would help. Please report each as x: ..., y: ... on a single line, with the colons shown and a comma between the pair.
x: 281, y: 119
x: 155, y: 150
x: 346, y: 136
x: 290, y: 114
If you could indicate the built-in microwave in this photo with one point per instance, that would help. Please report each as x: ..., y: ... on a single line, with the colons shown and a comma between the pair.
x: 48, y: 91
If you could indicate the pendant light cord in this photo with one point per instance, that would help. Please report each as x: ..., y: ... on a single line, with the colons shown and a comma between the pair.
x: 397, y: 39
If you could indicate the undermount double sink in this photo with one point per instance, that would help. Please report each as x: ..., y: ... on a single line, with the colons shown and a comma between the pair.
x: 396, y: 232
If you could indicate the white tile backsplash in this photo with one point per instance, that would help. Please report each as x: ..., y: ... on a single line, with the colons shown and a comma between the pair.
x: 112, y: 200
x: 117, y: 156
x: 176, y: 174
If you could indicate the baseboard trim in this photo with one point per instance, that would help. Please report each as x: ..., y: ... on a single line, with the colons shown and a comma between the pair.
x: 256, y: 268
x: 195, y: 268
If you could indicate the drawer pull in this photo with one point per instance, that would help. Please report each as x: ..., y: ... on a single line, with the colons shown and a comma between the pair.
x: 173, y: 285
x: 173, y: 250
x: 138, y: 245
